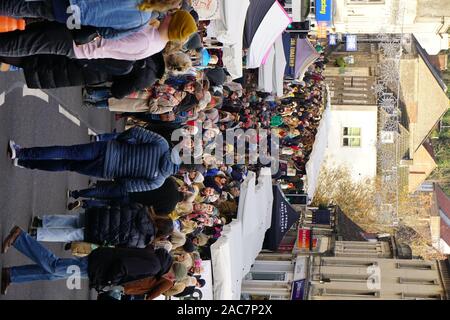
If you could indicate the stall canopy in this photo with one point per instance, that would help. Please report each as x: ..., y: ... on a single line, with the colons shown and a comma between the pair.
x: 283, y: 217
x: 231, y: 259
x: 319, y: 149
x: 271, y: 74
x: 229, y: 29
x: 265, y: 21
x: 305, y: 54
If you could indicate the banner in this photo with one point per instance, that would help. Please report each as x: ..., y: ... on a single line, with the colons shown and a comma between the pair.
x: 290, y: 50
x: 283, y: 217
x: 324, y: 10
x: 207, y: 9
x: 298, y: 290
x: 304, y: 239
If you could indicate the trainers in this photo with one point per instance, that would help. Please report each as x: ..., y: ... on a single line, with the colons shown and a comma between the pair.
x: 11, y: 238
x: 12, y: 149
x: 6, y: 280
x: 16, y: 163
x: 36, y: 223
x: 74, y: 205
x: 89, y: 104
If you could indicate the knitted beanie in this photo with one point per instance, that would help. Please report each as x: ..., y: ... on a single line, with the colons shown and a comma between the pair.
x: 181, y: 26
x: 179, y: 270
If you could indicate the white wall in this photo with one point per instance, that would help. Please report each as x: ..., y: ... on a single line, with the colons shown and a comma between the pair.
x: 371, y: 18
x: 362, y: 161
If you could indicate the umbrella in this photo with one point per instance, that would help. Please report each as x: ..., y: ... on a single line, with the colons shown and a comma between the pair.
x: 265, y: 21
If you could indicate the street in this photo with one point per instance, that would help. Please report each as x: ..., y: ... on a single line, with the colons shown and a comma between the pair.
x: 40, y: 118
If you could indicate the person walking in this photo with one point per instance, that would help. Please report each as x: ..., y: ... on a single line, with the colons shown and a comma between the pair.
x: 56, y: 39
x: 137, y: 159
x: 104, y: 267
x: 127, y: 225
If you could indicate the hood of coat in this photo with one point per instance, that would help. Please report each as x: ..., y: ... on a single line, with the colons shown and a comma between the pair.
x: 165, y: 259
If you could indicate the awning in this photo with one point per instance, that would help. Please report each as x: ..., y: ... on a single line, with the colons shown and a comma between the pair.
x: 302, y: 57
x: 271, y: 74
x: 229, y: 30
x: 265, y: 21
x: 231, y: 259
x: 283, y: 217
x: 317, y: 155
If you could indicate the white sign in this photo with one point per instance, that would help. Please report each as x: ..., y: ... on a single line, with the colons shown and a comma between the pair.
x: 207, y: 9
x: 300, y: 268
x: 351, y: 42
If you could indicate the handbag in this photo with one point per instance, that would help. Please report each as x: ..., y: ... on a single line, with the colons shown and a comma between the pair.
x: 84, y: 35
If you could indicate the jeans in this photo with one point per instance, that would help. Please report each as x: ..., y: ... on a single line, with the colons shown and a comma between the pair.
x: 61, y: 228
x: 47, y: 266
x: 97, y: 94
x: 106, y: 191
x: 86, y: 159
x: 50, y: 38
x: 27, y: 9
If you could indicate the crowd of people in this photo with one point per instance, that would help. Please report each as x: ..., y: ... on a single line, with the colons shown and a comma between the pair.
x: 144, y: 229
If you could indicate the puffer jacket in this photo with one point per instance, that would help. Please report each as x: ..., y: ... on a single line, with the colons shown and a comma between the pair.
x: 119, y: 225
x: 117, y: 14
x: 115, y: 266
x: 52, y: 71
x: 140, y: 160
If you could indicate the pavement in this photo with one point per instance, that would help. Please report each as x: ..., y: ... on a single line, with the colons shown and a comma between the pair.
x: 41, y: 118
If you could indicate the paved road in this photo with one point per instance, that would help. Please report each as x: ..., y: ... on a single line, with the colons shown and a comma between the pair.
x: 39, y: 118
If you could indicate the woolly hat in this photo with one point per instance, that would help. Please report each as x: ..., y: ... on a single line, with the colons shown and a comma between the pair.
x: 179, y: 270
x: 181, y: 26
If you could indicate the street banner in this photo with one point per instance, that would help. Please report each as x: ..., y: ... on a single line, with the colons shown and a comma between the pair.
x: 324, y: 10
x: 298, y: 290
x: 351, y: 43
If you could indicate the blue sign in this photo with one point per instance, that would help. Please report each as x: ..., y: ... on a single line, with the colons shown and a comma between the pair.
x: 298, y: 290
x: 351, y: 43
x: 324, y: 10
x: 333, y: 40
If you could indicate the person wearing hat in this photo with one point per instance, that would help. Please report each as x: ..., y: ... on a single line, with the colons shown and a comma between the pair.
x: 111, y: 19
x: 56, y: 39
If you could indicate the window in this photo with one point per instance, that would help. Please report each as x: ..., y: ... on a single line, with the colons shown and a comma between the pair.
x: 344, y: 277
x: 417, y: 281
x: 420, y: 296
x: 365, y: 1
x: 351, y: 137
x: 350, y: 293
x: 347, y: 263
x: 269, y: 276
x: 417, y: 266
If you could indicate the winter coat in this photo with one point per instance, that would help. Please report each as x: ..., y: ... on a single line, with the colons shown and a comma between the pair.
x: 115, y: 266
x: 140, y: 160
x: 144, y: 74
x: 53, y: 71
x: 117, y: 14
x: 164, y: 199
x: 119, y: 225
x: 152, y: 287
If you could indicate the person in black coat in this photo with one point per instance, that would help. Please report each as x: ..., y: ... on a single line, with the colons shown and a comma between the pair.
x: 127, y: 225
x: 103, y: 266
x: 51, y: 71
x: 163, y: 199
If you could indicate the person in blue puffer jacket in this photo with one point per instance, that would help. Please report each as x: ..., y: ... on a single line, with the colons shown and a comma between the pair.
x: 137, y: 159
x: 113, y: 19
